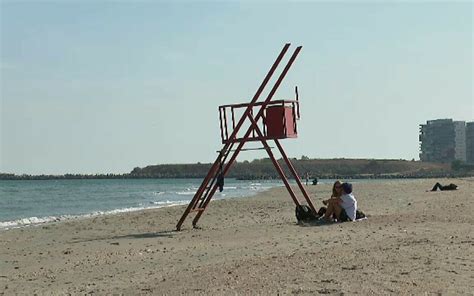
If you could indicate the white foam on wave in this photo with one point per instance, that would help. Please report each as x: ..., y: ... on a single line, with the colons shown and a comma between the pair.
x: 192, y: 189
x: 169, y: 203
x: 30, y: 221
x: 185, y: 192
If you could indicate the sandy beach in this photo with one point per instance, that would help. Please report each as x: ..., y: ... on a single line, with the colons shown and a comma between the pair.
x: 414, y: 242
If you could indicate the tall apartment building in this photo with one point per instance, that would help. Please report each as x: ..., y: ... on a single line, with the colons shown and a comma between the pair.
x: 443, y: 140
x: 460, y: 140
x: 470, y: 142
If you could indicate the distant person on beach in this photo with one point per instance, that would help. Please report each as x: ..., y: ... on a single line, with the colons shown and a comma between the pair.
x: 344, y: 206
x: 443, y: 188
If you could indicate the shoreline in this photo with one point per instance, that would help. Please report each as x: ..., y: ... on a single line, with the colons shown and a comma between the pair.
x: 39, y: 221
x: 410, y: 244
x: 34, y: 221
x: 149, y: 197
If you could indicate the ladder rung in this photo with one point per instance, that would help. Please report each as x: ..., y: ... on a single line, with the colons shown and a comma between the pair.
x: 200, y: 200
x: 250, y: 149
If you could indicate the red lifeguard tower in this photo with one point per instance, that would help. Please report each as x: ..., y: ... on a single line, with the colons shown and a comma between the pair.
x: 268, y: 120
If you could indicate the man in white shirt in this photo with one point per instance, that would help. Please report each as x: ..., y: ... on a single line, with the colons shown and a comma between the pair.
x: 344, y: 207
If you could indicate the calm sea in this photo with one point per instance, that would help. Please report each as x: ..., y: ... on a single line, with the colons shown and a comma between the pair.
x: 33, y: 202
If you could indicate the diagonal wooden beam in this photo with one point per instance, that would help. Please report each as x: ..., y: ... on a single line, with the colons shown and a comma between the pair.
x: 295, y: 175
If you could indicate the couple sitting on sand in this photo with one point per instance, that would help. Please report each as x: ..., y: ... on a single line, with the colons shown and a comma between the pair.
x: 342, y: 205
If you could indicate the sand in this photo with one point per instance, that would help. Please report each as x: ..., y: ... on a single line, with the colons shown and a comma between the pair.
x: 414, y: 242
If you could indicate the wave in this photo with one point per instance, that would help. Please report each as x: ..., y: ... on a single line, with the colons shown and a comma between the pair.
x: 29, y: 221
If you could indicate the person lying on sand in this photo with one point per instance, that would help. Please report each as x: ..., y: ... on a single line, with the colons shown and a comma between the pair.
x: 443, y: 188
x: 343, y: 207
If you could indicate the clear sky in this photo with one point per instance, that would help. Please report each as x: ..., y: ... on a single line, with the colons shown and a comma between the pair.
x: 99, y: 86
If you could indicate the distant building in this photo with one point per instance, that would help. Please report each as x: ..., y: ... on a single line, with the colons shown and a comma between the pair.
x: 460, y: 140
x: 444, y: 140
x: 470, y: 142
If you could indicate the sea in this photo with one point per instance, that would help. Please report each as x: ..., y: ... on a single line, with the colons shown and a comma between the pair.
x: 34, y: 202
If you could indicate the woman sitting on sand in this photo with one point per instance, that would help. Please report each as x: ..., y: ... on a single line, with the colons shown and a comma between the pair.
x: 343, y: 207
x: 336, y: 192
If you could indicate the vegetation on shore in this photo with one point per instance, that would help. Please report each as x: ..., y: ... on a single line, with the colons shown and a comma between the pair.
x: 264, y: 169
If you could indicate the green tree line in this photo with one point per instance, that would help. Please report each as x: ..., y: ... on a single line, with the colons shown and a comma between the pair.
x: 264, y: 169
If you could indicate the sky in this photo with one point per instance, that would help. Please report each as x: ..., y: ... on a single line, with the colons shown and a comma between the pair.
x: 103, y: 86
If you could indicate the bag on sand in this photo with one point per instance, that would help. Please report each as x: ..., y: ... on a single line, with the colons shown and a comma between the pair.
x: 304, y: 213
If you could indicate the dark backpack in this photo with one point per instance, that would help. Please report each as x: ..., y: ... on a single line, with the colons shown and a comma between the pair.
x: 322, y: 211
x: 304, y: 213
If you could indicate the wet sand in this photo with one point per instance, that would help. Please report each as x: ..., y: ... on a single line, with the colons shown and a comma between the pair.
x: 414, y: 242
